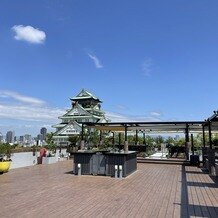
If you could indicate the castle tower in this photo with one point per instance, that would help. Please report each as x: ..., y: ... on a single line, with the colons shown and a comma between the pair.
x: 85, y: 108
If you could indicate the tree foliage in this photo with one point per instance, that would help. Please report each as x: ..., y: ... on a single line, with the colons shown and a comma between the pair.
x: 93, y: 138
x: 74, y: 139
x: 50, y: 145
x: 5, y: 151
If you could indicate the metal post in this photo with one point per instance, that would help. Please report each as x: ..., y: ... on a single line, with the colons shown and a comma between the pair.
x: 192, y: 141
x: 79, y: 169
x: 204, y: 143
x: 120, y: 171
x: 136, y: 137
x: 100, y: 140
x: 116, y: 171
x: 187, y: 141
x: 119, y: 141
x: 82, y: 138
x: 125, y: 132
x: 126, y: 149
x: 211, y: 152
x: 204, y: 148
x: 82, y: 132
x: 144, y: 142
x: 187, y: 133
x: 210, y: 136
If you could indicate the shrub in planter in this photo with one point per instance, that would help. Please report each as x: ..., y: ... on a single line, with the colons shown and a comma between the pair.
x: 5, y: 157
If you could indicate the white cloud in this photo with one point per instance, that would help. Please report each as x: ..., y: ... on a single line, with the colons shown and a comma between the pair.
x: 155, y: 114
x: 146, y: 66
x: 20, y: 107
x: 116, y: 117
x: 122, y: 107
x: 96, y: 60
x: 21, y: 98
x: 30, y: 113
x: 29, y: 34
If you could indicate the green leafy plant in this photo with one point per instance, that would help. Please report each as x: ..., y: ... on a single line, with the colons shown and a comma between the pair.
x: 74, y: 140
x: 50, y: 145
x: 74, y: 143
x: 5, y: 152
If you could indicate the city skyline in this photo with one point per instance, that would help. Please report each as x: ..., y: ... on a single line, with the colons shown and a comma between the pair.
x: 12, y: 132
x: 146, y: 60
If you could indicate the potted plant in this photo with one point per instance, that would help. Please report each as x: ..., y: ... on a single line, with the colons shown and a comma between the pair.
x: 5, y: 157
x: 51, y: 147
x: 73, y: 143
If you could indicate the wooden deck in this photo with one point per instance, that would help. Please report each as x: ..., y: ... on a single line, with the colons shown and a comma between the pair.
x: 154, y: 190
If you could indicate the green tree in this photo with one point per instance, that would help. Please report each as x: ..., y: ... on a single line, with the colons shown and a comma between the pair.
x: 74, y: 143
x: 149, y: 140
x: 131, y: 139
x: 180, y: 142
x: 5, y: 151
x: 170, y: 140
x: 93, y: 138
x: 74, y: 139
x: 159, y: 140
x: 50, y: 145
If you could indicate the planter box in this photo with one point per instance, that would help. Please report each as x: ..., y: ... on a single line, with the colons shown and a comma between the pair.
x: 103, y: 163
x: 49, y: 160
x: 5, y: 166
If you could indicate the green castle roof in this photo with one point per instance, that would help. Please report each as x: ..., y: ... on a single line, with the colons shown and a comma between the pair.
x: 85, y: 95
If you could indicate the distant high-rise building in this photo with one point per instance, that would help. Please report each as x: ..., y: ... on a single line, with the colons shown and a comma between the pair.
x: 40, y: 137
x: 15, y: 139
x: 10, y: 137
x: 27, y: 138
x: 1, y: 137
x: 22, y: 138
x: 177, y: 137
x: 43, y: 132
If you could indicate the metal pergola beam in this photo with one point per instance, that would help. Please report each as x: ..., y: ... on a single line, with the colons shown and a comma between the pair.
x: 178, y: 126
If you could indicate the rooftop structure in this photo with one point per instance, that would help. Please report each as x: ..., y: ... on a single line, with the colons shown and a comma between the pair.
x: 85, y: 108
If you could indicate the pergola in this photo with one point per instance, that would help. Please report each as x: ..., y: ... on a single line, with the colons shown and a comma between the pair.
x: 185, y: 127
x: 211, y: 125
x: 150, y: 127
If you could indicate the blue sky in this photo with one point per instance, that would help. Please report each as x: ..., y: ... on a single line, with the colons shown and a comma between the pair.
x: 145, y: 59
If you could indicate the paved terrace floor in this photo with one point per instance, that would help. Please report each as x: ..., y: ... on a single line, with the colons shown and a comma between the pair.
x: 154, y: 190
